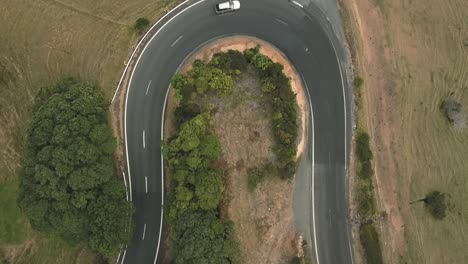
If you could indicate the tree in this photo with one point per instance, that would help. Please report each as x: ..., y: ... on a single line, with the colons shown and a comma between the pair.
x: 261, y: 61
x: 436, y: 203
x: 67, y: 184
x: 140, y: 25
x: 200, y: 237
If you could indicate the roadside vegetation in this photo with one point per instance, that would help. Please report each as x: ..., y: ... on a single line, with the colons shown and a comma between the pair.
x: 365, y: 193
x: 87, y: 39
x: 413, y: 58
x: 197, y: 197
x: 67, y: 185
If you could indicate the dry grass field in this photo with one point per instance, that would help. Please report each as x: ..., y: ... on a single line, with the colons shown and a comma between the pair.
x: 42, y: 41
x: 411, y: 54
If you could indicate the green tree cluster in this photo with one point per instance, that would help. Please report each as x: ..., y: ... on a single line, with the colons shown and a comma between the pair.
x: 198, y: 234
x: 67, y: 182
x: 201, y: 78
x: 277, y: 85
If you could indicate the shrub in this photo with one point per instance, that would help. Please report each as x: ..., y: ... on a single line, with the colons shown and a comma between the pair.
x: 436, y: 204
x: 363, y: 150
x: 358, y: 82
x: 371, y: 244
x: 229, y: 61
x: 453, y: 110
x: 261, y: 61
x: 140, y: 25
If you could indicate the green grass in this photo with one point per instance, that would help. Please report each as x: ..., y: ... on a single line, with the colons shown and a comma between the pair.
x: 371, y: 244
x: 14, y: 227
x: 42, y: 42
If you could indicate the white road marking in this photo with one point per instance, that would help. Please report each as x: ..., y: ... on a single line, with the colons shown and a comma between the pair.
x: 144, y: 143
x: 147, y: 88
x: 146, y: 184
x: 137, y: 48
x: 281, y: 21
x: 118, y: 257
x: 298, y: 4
x: 125, y: 182
x: 144, y: 232
x: 177, y: 40
x: 313, y: 173
x: 345, y: 136
x: 123, y: 257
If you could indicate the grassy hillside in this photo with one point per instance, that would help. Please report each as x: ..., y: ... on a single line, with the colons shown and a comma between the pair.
x: 42, y: 42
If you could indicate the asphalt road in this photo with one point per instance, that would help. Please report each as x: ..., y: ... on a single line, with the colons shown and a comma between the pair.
x: 305, y: 39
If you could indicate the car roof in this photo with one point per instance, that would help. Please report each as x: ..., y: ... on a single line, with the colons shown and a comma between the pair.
x: 224, y: 5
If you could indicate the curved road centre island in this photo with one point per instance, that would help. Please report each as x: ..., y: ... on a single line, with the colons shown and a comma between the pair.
x: 315, y: 53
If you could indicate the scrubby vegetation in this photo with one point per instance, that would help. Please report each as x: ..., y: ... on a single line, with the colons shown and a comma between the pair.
x: 436, y: 204
x: 193, y: 153
x: 68, y: 184
x: 371, y: 244
x: 140, y: 25
x: 277, y: 87
x: 217, y: 76
x: 454, y: 113
x: 197, y: 188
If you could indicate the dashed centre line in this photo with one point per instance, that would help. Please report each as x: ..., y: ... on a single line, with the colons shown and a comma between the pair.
x: 177, y: 40
x: 144, y: 143
x: 144, y: 232
x: 147, y: 88
x: 146, y: 184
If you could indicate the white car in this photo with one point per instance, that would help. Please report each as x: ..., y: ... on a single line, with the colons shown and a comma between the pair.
x: 227, y: 6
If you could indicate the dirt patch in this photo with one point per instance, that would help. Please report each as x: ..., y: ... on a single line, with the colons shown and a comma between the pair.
x: 264, y: 223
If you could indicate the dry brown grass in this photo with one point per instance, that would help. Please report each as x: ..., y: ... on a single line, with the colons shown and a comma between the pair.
x: 412, y: 56
x: 44, y: 41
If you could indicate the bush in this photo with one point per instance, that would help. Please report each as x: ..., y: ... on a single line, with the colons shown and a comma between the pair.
x: 67, y: 183
x: 453, y: 110
x: 371, y: 244
x: 363, y: 150
x: 229, y: 61
x: 358, y: 82
x: 436, y: 204
x: 140, y: 25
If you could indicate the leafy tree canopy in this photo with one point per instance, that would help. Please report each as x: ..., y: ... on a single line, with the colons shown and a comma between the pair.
x: 67, y: 182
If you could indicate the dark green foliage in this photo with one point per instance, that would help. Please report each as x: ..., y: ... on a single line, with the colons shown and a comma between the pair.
x: 200, y: 237
x: 229, y: 61
x: 363, y: 151
x: 201, y: 78
x: 436, y: 204
x: 366, y: 201
x: 67, y: 183
x: 283, y: 100
x: 140, y: 25
x: 185, y: 112
x: 366, y: 171
x: 198, y: 234
x: 371, y: 244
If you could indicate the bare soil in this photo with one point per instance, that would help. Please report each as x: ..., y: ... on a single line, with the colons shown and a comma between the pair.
x: 264, y: 223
